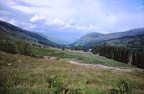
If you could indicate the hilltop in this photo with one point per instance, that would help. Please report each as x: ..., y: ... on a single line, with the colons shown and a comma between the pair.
x: 92, y: 39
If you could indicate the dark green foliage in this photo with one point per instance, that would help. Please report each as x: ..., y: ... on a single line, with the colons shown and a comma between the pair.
x: 59, y: 84
x: 138, y: 59
x: 136, y: 42
x: 7, y: 47
x: 80, y: 48
x: 3, y: 86
x: 122, y: 87
x: 15, y: 47
x: 116, y: 53
x: 54, y: 81
x: 24, y: 49
x: 120, y: 54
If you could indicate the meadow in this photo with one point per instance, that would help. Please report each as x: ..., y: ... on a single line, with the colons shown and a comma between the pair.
x: 20, y: 74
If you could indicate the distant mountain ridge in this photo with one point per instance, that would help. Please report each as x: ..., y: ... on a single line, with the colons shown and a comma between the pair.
x: 17, y: 33
x: 136, y: 42
x: 91, y: 39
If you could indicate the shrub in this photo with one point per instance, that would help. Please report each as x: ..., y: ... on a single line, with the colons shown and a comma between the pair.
x: 24, y: 49
x: 60, y: 85
x: 124, y: 87
x: 7, y: 47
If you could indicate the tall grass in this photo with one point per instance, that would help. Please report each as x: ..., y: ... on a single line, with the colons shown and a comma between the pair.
x: 29, y: 75
x: 81, y: 57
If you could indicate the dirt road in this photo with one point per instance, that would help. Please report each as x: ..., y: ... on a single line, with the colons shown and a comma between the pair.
x: 99, y: 66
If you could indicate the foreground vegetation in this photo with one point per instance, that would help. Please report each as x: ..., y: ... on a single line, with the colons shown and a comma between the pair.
x: 24, y: 71
x: 22, y: 74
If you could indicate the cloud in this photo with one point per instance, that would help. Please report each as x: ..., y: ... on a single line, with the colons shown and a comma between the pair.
x: 4, y: 12
x: 6, y: 19
x: 77, y: 16
x: 57, y: 23
x: 36, y: 18
x: 89, y: 28
x: 33, y: 26
x: 3, y: 18
x: 13, y: 21
x: 19, y: 3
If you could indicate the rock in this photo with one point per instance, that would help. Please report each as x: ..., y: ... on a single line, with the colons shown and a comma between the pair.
x: 46, y: 57
x: 9, y: 64
x: 61, y: 60
x: 19, y: 60
x: 53, y: 58
x: 50, y: 58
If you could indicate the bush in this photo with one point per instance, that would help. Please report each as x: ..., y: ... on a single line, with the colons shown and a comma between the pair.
x: 7, y: 47
x: 24, y: 49
x: 60, y: 85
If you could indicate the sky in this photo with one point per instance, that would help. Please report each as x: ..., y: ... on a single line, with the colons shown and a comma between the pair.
x: 70, y: 19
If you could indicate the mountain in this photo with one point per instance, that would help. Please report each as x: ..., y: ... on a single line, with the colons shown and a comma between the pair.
x: 96, y: 38
x: 127, y: 41
x: 16, y: 33
x: 55, y: 39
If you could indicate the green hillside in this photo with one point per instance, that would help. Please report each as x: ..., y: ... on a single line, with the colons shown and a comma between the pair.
x: 22, y: 74
x: 128, y: 41
x: 92, y: 39
x: 15, y: 33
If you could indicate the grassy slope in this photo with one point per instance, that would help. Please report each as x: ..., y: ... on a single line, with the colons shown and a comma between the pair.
x: 82, y: 57
x: 28, y: 75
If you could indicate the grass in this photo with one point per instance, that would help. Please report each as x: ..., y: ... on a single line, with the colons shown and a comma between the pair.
x: 27, y: 75
x: 82, y: 57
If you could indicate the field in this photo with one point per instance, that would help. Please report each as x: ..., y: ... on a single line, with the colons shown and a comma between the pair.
x: 20, y: 74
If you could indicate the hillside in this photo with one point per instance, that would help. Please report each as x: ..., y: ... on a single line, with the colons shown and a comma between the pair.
x: 127, y: 41
x: 96, y: 38
x: 22, y: 74
x: 15, y: 33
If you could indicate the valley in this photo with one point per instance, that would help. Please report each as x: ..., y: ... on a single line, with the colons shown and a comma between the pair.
x: 32, y: 64
x: 71, y: 47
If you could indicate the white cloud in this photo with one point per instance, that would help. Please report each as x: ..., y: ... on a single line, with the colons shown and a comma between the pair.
x: 76, y: 15
x: 33, y: 26
x: 68, y: 26
x: 57, y: 22
x: 50, y: 8
x: 13, y: 21
x: 87, y: 28
x: 36, y: 18
x: 3, y: 18
x: 9, y: 20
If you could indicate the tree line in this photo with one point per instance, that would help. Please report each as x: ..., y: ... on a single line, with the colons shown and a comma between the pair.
x: 121, y: 54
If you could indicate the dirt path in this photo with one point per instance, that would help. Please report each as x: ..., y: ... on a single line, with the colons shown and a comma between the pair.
x: 99, y: 66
